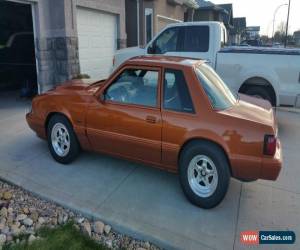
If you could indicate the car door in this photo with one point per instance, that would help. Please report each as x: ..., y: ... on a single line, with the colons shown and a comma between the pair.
x: 178, y: 115
x: 127, y: 121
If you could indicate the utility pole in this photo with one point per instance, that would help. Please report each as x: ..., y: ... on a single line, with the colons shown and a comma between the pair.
x: 287, y: 25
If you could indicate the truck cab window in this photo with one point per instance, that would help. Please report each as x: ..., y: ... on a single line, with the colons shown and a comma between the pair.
x: 166, y: 42
x: 196, y: 39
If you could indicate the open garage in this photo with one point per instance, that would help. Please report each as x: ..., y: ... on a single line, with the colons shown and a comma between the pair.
x: 17, y: 50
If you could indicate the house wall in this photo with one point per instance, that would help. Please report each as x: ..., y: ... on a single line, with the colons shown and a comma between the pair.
x: 131, y: 22
x: 56, y: 40
x: 161, y: 9
x: 164, y: 9
x: 205, y: 15
x: 143, y: 5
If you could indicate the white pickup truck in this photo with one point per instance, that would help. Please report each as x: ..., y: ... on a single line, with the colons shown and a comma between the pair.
x: 269, y: 73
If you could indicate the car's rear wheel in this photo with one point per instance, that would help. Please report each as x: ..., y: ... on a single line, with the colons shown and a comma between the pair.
x: 204, y: 174
x: 62, y: 141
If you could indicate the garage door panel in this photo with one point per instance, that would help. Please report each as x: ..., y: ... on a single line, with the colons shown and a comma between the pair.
x: 97, y: 41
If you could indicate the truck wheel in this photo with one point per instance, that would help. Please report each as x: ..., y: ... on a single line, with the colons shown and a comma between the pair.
x: 260, y: 92
x: 62, y: 141
x: 204, y: 174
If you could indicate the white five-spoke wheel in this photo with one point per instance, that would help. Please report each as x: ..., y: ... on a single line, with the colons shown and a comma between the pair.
x: 204, y: 173
x: 202, y: 176
x: 62, y: 141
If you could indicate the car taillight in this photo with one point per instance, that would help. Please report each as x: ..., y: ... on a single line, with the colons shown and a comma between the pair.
x: 114, y: 60
x: 270, y: 144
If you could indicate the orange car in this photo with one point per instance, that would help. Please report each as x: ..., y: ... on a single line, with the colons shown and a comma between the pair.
x: 170, y: 112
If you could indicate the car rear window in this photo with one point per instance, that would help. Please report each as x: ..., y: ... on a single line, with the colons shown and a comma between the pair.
x: 219, y: 94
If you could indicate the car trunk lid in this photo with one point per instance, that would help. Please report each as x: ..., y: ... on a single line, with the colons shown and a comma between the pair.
x: 254, y: 109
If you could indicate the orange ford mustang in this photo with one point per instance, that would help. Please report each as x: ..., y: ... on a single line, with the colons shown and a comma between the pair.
x: 170, y: 112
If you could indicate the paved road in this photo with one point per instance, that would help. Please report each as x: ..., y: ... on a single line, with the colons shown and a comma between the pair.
x: 148, y: 203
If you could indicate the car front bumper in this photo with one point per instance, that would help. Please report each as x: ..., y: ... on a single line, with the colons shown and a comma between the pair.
x: 36, y: 125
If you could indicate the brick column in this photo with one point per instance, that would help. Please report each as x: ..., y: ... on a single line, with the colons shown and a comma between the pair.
x: 57, y: 60
x: 56, y: 42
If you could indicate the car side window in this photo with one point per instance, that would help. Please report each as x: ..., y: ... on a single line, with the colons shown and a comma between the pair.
x: 196, y: 39
x: 176, y: 95
x: 168, y: 41
x: 134, y: 86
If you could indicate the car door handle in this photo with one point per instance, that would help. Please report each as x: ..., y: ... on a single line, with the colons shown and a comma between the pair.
x: 151, y: 119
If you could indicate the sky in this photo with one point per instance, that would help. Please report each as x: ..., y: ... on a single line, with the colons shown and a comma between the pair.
x: 261, y: 12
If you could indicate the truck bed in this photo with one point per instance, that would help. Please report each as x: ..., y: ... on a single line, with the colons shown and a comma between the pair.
x: 279, y: 67
x: 260, y: 50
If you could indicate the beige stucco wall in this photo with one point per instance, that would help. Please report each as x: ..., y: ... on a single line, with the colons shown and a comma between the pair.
x: 163, y: 8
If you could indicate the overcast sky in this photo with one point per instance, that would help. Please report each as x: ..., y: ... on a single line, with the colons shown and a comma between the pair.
x: 261, y: 12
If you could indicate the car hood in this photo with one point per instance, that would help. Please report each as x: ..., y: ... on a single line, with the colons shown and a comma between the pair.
x: 253, y: 109
x: 82, y: 86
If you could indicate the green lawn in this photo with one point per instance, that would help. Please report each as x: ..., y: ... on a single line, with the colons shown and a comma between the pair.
x: 62, y: 238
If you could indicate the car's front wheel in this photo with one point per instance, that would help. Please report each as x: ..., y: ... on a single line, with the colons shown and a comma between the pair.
x: 62, y: 141
x: 204, y: 174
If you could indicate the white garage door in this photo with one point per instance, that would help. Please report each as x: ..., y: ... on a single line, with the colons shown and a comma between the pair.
x: 97, y: 35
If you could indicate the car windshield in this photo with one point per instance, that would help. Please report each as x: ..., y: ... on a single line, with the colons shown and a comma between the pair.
x: 217, y: 91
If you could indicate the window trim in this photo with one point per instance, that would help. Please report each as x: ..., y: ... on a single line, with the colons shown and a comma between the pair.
x: 149, y: 68
x: 150, y: 12
x: 194, y: 112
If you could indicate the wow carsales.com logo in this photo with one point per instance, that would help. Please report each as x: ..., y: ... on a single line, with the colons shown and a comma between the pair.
x: 267, y: 237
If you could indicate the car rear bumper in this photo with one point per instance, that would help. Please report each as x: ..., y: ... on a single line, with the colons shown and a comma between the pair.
x: 271, y: 167
x: 36, y: 125
x: 267, y: 168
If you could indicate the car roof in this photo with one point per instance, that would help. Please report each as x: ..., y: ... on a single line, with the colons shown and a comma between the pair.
x: 164, y: 60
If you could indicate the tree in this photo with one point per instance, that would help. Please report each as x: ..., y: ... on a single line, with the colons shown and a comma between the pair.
x: 279, y: 35
x: 265, y: 39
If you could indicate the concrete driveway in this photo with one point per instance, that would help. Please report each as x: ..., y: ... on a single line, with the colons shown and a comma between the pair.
x: 148, y: 203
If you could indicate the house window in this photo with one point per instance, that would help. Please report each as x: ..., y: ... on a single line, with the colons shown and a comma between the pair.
x: 148, y: 24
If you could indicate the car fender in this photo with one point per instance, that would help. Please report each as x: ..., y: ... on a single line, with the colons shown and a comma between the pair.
x: 204, y: 134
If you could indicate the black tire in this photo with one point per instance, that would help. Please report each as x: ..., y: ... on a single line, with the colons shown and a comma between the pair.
x: 74, y: 147
x: 261, y: 92
x: 221, y: 165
